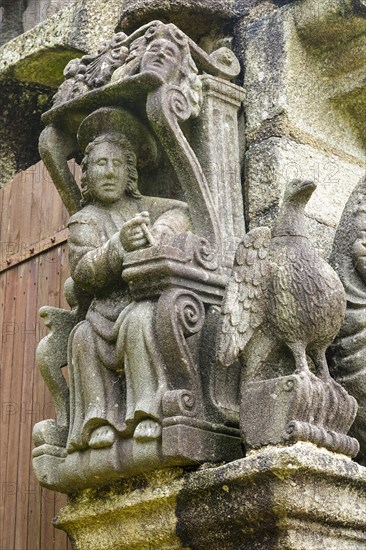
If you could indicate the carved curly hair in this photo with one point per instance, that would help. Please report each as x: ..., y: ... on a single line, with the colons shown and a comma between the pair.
x: 132, y: 175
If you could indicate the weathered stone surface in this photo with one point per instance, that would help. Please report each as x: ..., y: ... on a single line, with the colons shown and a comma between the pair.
x: 275, y: 499
x: 141, y: 390
x: 32, y: 65
x: 18, y: 127
x: 18, y: 16
x: 39, y: 10
x: 299, y: 113
x: 272, y: 162
x: 348, y: 352
x: 283, y: 305
x: 321, y: 22
x: 197, y: 17
x: 286, y: 78
x: 59, y: 36
x: 11, y: 23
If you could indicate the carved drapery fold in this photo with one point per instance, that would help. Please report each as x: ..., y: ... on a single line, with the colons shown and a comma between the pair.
x: 141, y: 344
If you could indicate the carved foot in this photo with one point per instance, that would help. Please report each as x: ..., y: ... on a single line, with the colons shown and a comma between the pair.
x: 49, y: 433
x: 147, y: 430
x: 104, y: 436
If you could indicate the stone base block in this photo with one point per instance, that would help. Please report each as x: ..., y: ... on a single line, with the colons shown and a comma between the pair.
x: 294, y: 498
x: 180, y: 445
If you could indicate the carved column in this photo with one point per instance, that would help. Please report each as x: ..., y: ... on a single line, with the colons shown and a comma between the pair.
x: 215, y: 138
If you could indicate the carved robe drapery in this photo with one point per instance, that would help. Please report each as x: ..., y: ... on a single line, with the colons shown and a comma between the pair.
x: 144, y: 391
x: 97, y: 373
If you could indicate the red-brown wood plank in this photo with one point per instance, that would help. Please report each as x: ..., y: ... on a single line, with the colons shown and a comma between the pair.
x: 5, y: 219
x: 35, y: 497
x: 30, y: 210
x: 9, y: 409
x: 7, y: 303
x: 15, y: 365
x: 23, y: 390
x: 30, y: 408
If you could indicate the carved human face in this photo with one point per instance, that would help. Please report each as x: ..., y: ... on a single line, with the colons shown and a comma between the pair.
x: 163, y: 57
x: 106, y: 173
x: 359, y: 246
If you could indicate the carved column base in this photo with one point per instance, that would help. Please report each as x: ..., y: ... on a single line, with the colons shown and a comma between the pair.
x: 293, y: 498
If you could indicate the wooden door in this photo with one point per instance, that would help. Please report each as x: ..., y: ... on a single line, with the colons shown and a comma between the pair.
x: 33, y: 268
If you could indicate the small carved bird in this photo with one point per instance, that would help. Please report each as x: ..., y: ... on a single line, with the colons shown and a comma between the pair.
x: 281, y: 292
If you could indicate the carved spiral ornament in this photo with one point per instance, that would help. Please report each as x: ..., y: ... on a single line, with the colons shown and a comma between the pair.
x: 188, y: 401
x: 331, y: 440
x: 179, y: 402
x: 178, y: 103
x: 180, y: 314
x: 206, y: 254
x: 151, y: 31
x: 159, y: 30
x: 190, y: 313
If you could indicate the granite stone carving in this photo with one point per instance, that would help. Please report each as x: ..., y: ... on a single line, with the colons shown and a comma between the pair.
x: 153, y: 121
x: 282, y: 308
x: 348, y: 353
x: 148, y: 272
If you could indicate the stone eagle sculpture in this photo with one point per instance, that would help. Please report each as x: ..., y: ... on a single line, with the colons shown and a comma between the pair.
x: 281, y: 292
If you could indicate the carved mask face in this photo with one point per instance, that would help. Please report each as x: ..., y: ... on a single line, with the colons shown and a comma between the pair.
x: 106, y: 173
x: 359, y: 246
x: 163, y: 57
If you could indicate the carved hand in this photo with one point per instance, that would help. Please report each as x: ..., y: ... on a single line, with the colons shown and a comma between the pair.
x: 135, y: 234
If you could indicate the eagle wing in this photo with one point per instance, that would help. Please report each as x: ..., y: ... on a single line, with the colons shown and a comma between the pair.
x: 244, y: 305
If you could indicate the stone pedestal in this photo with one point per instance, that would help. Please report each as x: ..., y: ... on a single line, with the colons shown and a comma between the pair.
x: 293, y: 498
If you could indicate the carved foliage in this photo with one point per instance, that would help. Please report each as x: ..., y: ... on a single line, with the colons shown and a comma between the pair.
x: 162, y: 49
x: 92, y: 71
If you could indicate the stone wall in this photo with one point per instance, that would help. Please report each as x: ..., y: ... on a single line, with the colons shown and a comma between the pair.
x: 302, y: 75
x: 31, y: 69
x: 301, y: 78
x: 18, y: 16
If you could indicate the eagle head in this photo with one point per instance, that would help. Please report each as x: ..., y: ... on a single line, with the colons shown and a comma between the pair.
x: 299, y: 191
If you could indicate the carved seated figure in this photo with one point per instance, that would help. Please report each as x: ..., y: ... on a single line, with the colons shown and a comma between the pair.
x: 148, y: 273
x: 116, y: 376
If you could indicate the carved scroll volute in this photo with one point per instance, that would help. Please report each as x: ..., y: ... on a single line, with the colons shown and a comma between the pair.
x: 179, y: 315
x: 166, y: 107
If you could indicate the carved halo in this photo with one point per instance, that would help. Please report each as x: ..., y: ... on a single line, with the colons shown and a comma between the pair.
x: 113, y: 120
